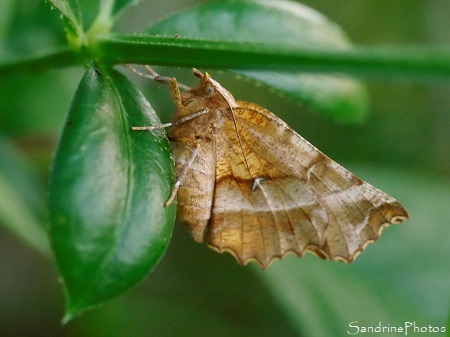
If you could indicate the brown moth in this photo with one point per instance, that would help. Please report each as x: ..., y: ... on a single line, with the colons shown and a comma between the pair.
x: 251, y: 186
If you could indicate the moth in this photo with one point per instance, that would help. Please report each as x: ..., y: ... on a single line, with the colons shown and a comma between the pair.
x: 249, y: 185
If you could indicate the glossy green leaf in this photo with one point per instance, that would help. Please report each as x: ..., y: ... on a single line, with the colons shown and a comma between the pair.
x: 282, y: 23
x: 109, y: 227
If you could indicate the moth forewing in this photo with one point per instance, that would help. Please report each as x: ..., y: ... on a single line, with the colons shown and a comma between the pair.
x: 253, y: 187
x: 196, y: 191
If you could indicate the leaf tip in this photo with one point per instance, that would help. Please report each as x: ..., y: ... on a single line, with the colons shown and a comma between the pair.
x: 69, y: 315
x: 74, y: 308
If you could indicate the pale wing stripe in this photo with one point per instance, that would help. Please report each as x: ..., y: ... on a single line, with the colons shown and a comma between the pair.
x: 375, y: 194
x: 358, y: 189
x: 354, y: 189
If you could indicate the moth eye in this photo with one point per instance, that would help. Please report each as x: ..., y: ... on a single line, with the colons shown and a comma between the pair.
x: 209, y: 91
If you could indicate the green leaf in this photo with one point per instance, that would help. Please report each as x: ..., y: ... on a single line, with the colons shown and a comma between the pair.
x: 21, y: 208
x: 71, y: 15
x: 281, y: 23
x: 7, y: 8
x: 109, y: 10
x: 120, y: 5
x: 109, y: 226
x: 113, y: 8
x: 401, y: 278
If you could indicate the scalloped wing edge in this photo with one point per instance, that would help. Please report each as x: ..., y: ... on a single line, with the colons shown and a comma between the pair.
x: 313, y: 249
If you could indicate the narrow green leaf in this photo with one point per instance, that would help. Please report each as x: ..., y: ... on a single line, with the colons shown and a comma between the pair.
x: 71, y: 15
x: 109, y: 10
x: 7, y: 8
x: 121, y: 5
x: 21, y: 206
x: 109, y: 227
x: 113, y: 8
x: 402, y: 278
x: 282, y: 23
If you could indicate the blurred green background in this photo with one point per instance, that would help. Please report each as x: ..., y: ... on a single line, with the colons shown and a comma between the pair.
x: 403, y: 148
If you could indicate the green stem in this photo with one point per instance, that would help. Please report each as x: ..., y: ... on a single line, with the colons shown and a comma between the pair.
x: 410, y: 62
x: 385, y: 63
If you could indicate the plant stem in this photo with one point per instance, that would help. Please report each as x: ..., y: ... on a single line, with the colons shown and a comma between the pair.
x: 385, y: 63
x: 413, y: 63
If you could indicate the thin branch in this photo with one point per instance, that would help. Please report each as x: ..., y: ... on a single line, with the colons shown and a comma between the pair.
x: 381, y: 62
x: 414, y: 63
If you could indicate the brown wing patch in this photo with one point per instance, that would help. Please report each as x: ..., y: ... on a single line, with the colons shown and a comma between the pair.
x: 303, y: 202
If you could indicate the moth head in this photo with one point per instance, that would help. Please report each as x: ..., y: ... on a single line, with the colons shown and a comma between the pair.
x: 206, y: 88
x: 208, y: 93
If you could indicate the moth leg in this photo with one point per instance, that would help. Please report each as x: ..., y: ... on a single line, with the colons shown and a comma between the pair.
x: 172, y: 81
x: 152, y: 72
x: 174, y: 89
x: 181, y: 175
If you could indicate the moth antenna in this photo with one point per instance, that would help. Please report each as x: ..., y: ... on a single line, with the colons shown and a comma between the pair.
x: 139, y: 73
x: 239, y: 139
x: 234, y: 120
x: 197, y: 73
